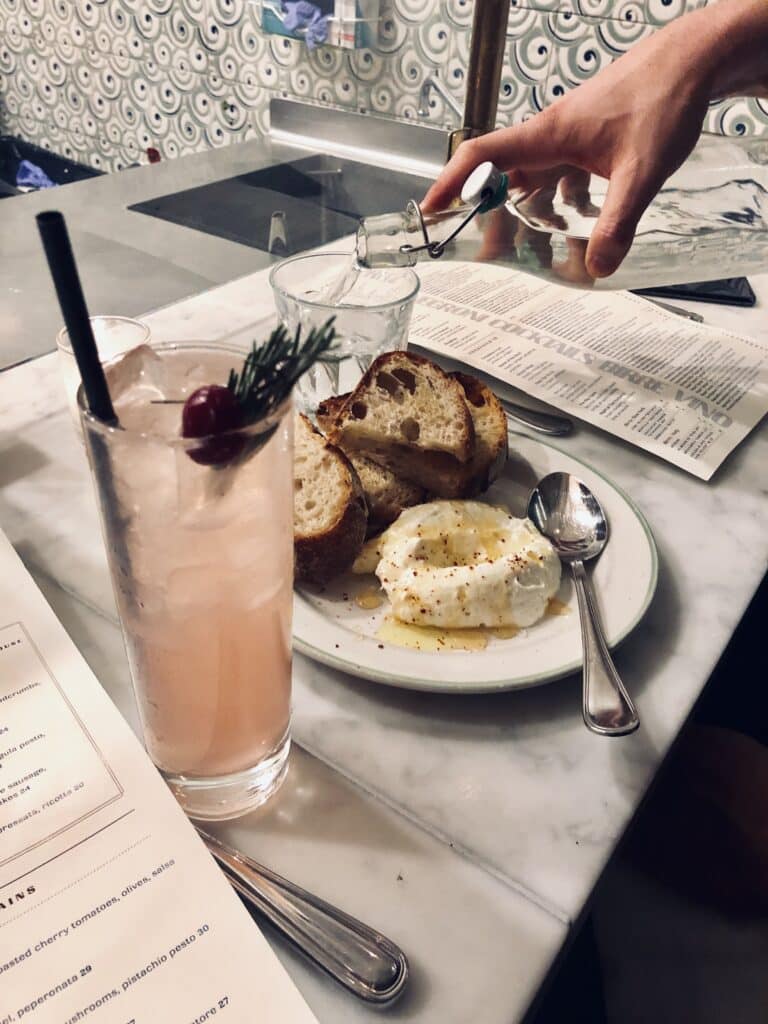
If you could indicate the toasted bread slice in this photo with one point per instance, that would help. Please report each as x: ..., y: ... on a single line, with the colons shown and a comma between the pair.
x: 330, y: 516
x: 386, y: 493
x: 491, y: 444
x: 409, y: 416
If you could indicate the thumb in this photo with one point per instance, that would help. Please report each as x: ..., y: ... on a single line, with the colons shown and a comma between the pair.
x: 629, y: 193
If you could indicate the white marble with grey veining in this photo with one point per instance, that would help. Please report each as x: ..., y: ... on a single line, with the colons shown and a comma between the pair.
x: 513, y: 781
x: 454, y: 920
x: 463, y: 931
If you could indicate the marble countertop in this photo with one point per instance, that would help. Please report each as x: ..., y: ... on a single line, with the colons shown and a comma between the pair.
x: 473, y: 829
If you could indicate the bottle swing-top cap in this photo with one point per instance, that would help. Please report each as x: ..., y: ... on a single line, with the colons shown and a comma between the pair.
x: 485, y: 189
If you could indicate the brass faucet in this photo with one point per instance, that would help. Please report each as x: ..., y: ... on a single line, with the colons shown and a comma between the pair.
x: 486, y: 59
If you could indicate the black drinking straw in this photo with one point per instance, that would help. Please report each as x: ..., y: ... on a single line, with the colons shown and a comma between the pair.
x: 61, y: 263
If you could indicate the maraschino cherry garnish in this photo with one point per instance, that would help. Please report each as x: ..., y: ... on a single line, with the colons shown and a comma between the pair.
x: 269, y: 371
x: 208, y: 412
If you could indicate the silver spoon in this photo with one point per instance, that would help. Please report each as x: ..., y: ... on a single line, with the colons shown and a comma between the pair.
x: 363, y: 960
x: 565, y: 510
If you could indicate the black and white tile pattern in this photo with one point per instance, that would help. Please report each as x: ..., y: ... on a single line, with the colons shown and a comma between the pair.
x: 102, y: 81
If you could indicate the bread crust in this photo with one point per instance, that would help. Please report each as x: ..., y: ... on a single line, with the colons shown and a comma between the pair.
x: 321, y: 556
x: 328, y: 411
x: 491, y: 446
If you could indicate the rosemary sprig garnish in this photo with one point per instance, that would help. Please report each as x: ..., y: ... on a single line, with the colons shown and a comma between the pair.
x: 270, y: 370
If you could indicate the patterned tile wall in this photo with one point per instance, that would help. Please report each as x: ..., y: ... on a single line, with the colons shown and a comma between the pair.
x: 104, y: 80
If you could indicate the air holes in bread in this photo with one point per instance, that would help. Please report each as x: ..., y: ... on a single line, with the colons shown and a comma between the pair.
x: 406, y: 378
x: 359, y: 410
x: 410, y: 429
x: 389, y: 383
x: 474, y: 392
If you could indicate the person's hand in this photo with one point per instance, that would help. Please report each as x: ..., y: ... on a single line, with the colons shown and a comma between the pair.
x: 634, y: 123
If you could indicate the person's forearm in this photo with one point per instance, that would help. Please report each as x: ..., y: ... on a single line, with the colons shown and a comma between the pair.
x: 730, y: 40
x: 634, y: 122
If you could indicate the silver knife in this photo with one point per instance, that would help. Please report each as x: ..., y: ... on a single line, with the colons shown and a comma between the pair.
x: 696, y: 317
x: 543, y: 422
x: 361, y: 959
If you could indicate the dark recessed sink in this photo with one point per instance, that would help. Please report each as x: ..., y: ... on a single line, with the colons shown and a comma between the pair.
x: 320, y: 198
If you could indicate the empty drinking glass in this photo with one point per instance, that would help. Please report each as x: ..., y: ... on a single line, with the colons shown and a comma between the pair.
x: 114, y: 335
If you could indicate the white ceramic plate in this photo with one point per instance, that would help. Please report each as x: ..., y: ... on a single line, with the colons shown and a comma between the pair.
x: 331, y: 628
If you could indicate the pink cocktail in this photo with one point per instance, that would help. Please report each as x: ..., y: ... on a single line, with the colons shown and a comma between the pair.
x: 201, y: 557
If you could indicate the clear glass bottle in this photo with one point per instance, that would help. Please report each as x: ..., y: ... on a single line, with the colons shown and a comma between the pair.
x: 710, y: 221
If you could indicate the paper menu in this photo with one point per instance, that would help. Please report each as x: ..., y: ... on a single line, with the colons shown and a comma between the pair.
x: 111, y: 910
x: 684, y: 391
